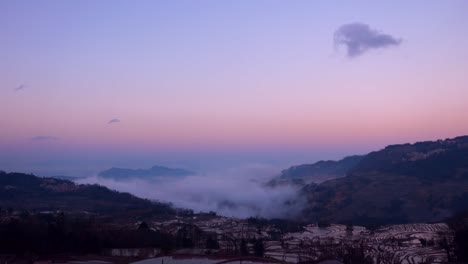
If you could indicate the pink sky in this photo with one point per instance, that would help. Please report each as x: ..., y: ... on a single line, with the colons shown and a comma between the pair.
x: 245, y: 76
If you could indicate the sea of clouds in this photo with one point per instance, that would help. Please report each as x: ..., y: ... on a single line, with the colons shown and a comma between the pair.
x: 235, y: 192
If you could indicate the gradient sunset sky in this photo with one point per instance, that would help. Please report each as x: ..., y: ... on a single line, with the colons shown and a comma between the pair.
x: 90, y: 84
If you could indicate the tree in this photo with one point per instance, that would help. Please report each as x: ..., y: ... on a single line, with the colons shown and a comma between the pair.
x: 259, y: 248
x: 461, y: 245
x: 323, y: 223
x: 243, y: 248
x: 211, y: 243
x: 459, y: 223
x: 143, y: 226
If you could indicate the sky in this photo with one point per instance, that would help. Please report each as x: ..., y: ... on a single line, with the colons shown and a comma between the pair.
x: 86, y: 85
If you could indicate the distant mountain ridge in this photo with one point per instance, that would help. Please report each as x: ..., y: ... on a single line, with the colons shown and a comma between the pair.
x: 436, y: 158
x: 155, y: 171
x: 421, y: 182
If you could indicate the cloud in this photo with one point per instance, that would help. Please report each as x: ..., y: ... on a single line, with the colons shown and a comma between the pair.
x: 238, y: 192
x: 115, y: 120
x: 359, y: 38
x: 44, y: 138
x: 19, y: 88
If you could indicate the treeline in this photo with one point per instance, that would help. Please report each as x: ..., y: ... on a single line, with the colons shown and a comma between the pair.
x: 443, y: 164
x: 459, y: 223
x: 45, y: 234
x: 283, y: 225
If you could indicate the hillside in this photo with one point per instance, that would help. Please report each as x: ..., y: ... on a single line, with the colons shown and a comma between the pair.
x: 28, y: 192
x: 153, y: 172
x: 421, y: 182
x: 320, y: 171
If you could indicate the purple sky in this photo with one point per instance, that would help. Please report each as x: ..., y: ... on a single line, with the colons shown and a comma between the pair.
x: 89, y: 84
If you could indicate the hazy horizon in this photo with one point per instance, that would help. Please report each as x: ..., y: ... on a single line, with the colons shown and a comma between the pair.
x: 88, y: 163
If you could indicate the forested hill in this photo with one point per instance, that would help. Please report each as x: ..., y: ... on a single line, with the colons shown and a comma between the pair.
x: 318, y: 172
x: 421, y: 182
x: 28, y: 192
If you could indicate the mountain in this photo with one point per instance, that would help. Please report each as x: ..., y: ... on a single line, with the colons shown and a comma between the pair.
x: 421, y: 182
x: 320, y: 171
x: 153, y: 172
x: 27, y: 192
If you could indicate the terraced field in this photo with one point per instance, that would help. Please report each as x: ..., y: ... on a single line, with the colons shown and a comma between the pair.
x: 411, y: 243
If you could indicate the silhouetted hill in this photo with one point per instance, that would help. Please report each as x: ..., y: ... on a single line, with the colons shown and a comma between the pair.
x: 421, y: 182
x: 320, y: 171
x: 28, y: 192
x: 155, y: 171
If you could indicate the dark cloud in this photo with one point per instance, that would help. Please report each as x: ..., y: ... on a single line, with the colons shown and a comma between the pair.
x: 19, y: 88
x: 359, y: 38
x: 44, y: 138
x: 115, y: 120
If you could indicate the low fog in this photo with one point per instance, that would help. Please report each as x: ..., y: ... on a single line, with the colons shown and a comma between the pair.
x: 237, y: 192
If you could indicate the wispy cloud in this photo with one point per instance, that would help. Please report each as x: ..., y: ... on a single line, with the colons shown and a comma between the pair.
x: 19, y: 88
x: 44, y: 138
x: 115, y: 120
x: 359, y: 38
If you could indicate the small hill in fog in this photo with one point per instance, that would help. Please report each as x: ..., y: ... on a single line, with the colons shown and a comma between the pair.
x: 153, y: 172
